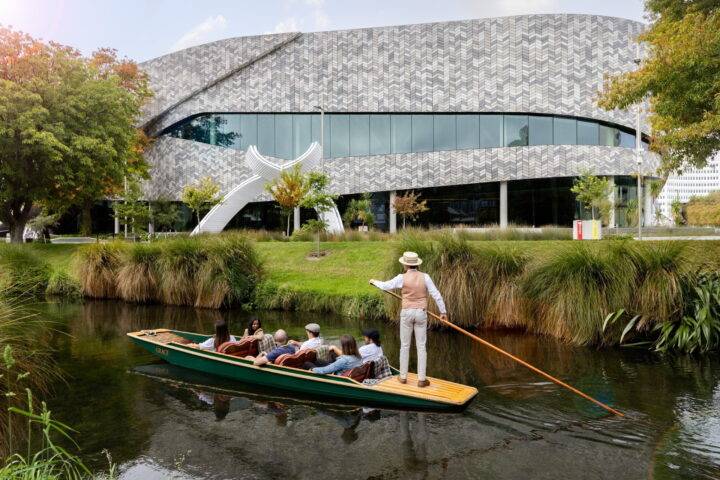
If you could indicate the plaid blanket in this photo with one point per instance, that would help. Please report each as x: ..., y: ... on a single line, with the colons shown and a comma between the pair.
x: 323, y: 352
x: 381, y: 371
x: 266, y: 343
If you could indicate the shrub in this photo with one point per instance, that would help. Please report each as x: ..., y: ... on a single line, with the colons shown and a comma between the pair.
x: 97, y: 265
x: 63, y: 285
x: 179, y: 263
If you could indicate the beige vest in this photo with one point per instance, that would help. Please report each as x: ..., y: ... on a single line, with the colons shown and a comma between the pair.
x: 414, y: 291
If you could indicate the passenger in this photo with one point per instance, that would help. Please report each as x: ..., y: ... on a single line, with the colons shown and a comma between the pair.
x: 254, y: 328
x: 372, y: 349
x: 222, y: 335
x: 281, y: 339
x: 349, y: 359
x: 313, y: 341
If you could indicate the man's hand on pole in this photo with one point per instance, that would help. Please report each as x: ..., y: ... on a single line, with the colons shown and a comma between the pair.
x: 444, y: 317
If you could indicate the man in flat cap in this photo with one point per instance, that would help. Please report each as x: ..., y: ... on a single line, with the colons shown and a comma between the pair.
x: 314, y: 340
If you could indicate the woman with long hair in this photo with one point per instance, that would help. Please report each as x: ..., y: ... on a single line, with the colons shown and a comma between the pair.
x: 254, y: 328
x: 222, y: 335
x: 349, y: 357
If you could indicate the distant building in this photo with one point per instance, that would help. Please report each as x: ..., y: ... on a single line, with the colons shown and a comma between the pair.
x: 691, y: 183
x: 490, y: 119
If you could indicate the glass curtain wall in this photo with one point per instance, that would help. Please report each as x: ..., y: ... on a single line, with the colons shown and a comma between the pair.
x: 287, y: 136
x: 541, y: 202
x: 476, y: 204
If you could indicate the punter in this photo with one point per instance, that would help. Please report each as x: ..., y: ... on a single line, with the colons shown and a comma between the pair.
x: 415, y: 287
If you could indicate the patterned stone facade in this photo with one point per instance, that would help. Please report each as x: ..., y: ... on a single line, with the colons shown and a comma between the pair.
x: 551, y: 64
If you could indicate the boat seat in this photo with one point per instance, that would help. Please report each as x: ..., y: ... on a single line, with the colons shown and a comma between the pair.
x: 242, y: 348
x: 296, y: 360
x: 363, y: 372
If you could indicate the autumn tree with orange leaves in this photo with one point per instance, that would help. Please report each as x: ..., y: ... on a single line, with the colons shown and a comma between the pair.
x: 67, y: 127
x: 288, y: 190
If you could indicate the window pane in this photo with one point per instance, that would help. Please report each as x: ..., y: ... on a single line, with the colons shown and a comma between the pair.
x: 316, y: 133
x: 609, y: 136
x: 468, y: 131
x: 359, y: 135
x: 248, y: 130
x: 400, y: 133
x: 564, y: 131
x: 627, y: 140
x: 232, y: 128
x: 283, y: 136
x: 422, y: 133
x: 266, y: 134
x: 516, y: 130
x: 444, y: 132
x: 340, y: 135
x: 491, y: 131
x: 587, y: 133
x: 541, y: 130
x: 379, y: 134
x: 302, y: 134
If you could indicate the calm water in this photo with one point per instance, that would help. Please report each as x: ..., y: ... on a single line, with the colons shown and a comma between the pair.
x: 160, y: 421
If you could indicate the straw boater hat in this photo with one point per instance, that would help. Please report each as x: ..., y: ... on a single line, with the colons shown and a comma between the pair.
x: 411, y: 259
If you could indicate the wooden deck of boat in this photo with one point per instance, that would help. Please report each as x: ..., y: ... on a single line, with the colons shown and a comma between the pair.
x: 438, y: 390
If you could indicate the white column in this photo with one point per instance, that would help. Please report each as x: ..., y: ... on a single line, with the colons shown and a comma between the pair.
x: 117, y: 226
x: 503, y: 205
x: 393, y: 215
x: 611, y: 199
x: 296, y: 218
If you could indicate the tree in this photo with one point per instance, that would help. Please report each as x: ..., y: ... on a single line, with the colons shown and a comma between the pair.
x: 680, y: 75
x: 66, y: 128
x: 202, y: 196
x: 318, y: 199
x: 654, y: 189
x: 42, y: 223
x: 676, y: 211
x: 163, y: 214
x: 288, y: 190
x: 361, y: 211
x: 591, y: 191
x: 408, y: 206
x: 132, y: 211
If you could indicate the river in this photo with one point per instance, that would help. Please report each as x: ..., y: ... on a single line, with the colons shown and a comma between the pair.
x: 157, y: 421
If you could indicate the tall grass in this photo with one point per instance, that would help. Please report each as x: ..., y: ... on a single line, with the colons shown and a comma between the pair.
x: 204, y: 271
x: 137, y: 277
x: 570, y: 292
x: 97, y: 266
x: 22, y: 272
x: 499, y: 271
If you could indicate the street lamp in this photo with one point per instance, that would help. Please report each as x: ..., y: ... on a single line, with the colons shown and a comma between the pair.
x: 322, y: 136
x: 638, y: 149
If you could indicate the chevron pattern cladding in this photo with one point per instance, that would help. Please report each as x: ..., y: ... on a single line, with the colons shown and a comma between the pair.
x: 536, y: 64
x: 177, y: 163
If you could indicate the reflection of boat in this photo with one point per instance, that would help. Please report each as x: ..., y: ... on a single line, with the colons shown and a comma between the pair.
x: 440, y: 395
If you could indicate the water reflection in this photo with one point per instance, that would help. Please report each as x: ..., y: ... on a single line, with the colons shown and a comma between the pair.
x: 160, y: 422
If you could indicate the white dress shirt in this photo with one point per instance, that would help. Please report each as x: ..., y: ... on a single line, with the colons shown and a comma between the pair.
x: 370, y: 351
x: 397, y: 282
x: 209, y: 344
x: 312, y: 343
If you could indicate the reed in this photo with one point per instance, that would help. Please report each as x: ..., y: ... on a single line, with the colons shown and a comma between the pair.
x: 178, y: 265
x: 569, y: 293
x: 229, y: 272
x: 97, y: 265
x: 137, y: 278
x: 499, y: 270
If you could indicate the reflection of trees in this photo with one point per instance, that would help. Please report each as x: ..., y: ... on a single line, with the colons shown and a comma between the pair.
x: 523, y: 140
x: 206, y: 129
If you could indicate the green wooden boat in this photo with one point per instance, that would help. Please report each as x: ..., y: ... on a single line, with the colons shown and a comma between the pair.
x: 440, y: 395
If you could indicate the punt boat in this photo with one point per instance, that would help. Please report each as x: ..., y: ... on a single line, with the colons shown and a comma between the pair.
x: 439, y: 395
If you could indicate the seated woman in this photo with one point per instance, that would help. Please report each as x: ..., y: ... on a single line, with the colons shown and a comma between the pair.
x: 222, y: 335
x: 349, y: 358
x: 254, y: 328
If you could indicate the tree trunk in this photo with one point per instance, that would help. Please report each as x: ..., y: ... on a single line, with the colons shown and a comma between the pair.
x: 318, y: 244
x: 86, y: 220
x: 17, y: 213
x: 403, y: 222
x: 288, y: 223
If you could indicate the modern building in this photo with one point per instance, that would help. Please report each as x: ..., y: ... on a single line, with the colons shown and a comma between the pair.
x: 695, y: 182
x: 490, y: 119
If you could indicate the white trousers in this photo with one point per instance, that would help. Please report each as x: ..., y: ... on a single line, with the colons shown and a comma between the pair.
x: 413, y: 320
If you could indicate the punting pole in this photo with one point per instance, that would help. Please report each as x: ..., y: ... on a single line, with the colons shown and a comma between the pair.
x: 521, y: 362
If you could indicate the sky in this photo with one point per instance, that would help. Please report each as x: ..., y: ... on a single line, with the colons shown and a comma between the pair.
x: 145, y: 29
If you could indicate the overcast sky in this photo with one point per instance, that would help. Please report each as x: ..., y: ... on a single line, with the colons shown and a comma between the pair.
x: 144, y: 29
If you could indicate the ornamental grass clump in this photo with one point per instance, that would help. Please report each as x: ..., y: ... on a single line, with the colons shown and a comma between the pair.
x: 498, y: 271
x: 22, y: 272
x: 229, y: 273
x: 179, y: 263
x: 137, y: 279
x: 569, y: 292
x: 97, y: 266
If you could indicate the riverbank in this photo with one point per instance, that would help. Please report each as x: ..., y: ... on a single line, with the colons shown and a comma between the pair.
x: 559, y: 288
